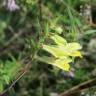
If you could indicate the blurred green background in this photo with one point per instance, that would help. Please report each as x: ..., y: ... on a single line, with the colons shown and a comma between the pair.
x: 77, y: 21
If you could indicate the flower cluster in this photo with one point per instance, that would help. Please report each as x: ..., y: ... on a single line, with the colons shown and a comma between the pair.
x: 62, y: 52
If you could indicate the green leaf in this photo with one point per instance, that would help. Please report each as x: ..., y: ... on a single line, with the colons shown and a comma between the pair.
x: 6, y: 78
x: 12, y: 68
x: 1, y: 87
x: 90, y: 32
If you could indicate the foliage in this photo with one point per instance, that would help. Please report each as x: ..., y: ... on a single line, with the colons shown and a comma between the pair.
x: 8, y: 71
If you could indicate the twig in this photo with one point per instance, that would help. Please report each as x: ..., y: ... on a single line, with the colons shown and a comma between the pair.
x: 79, y: 87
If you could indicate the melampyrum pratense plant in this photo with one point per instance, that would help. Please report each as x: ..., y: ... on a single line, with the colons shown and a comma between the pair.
x: 47, y: 45
x: 61, y: 52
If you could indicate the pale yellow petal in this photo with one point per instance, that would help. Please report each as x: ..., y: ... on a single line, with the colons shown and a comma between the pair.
x: 76, y: 54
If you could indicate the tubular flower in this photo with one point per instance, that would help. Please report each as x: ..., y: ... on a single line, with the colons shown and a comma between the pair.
x: 61, y: 52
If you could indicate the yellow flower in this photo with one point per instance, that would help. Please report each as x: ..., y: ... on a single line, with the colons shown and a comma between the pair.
x: 61, y: 52
x: 62, y: 63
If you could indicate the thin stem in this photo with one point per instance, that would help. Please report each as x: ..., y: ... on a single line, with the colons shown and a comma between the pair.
x: 79, y: 87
